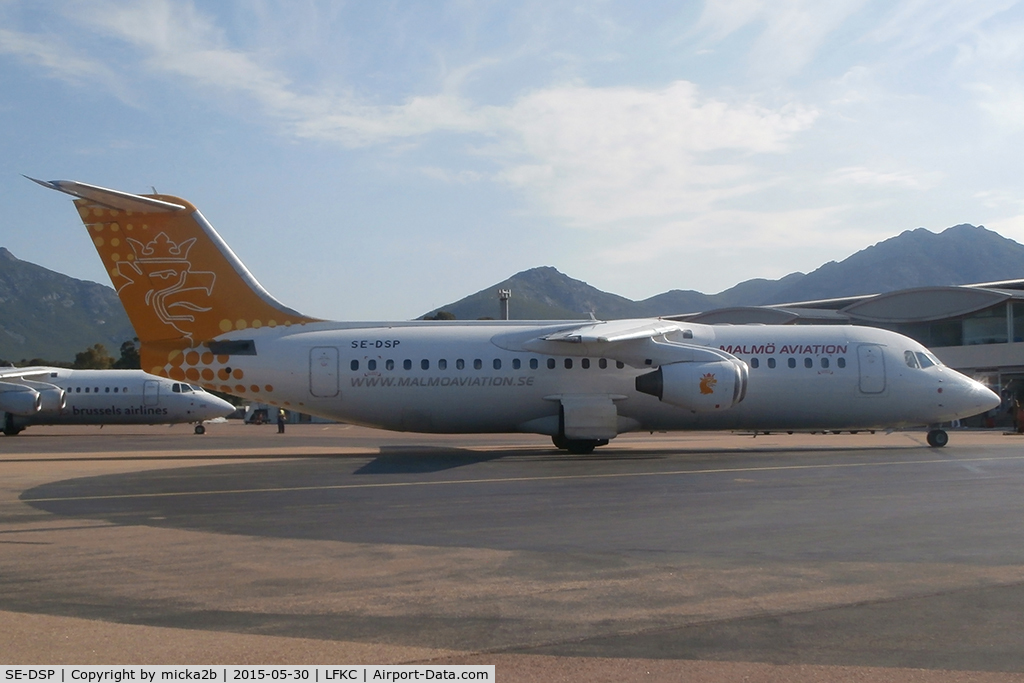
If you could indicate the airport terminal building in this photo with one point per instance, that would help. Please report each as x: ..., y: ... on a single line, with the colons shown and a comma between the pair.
x: 976, y: 329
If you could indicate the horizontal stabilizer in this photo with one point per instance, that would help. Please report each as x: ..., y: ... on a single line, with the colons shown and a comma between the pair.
x: 110, y: 198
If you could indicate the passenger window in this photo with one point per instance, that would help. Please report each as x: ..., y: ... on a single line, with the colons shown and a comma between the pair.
x: 533, y: 364
x: 808, y: 362
x: 602, y: 363
x: 389, y: 364
x: 407, y: 364
x: 841, y: 362
x: 687, y: 334
x: 551, y: 363
x: 477, y: 363
x: 585, y: 363
x: 619, y: 364
x: 754, y: 362
x: 371, y: 364
x: 442, y: 364
x: 910, y: 359
x: 354, y: 365
x: 925, y: 360
x: 516, y: 363
x: 824, y: 362
x: 771, y: 362
x: 791, y: 362
x: 115, y: 389
x: 460, y: 364
x: 87, y: 390
x: 568, y: 363
x: 106, y: 390
x: 497, y: 364
x: 125, y: 390
x: 78, y: 390
x: 424, y: 364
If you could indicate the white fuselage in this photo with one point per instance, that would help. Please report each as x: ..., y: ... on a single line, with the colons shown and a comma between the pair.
x: 119, y: 397
x: 490, y: 377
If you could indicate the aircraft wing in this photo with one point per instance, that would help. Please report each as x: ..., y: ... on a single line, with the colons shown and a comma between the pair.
x: 639, y: 342
x: 615, y: 331
x: 35, y: 373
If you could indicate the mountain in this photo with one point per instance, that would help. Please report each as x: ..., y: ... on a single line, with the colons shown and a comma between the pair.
x: 959, y: 255
x: 44, y: 314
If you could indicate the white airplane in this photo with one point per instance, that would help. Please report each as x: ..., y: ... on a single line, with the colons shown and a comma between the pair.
x: 202, y: 317
x: 59, y: 396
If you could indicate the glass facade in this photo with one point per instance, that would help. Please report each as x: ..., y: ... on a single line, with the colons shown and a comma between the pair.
x: 990, y: 326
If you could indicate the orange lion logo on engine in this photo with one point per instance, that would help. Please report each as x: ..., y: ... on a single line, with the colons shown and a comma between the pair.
x: 707, y: 383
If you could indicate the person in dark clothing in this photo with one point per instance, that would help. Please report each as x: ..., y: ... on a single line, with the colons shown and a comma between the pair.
x: 280, y: 421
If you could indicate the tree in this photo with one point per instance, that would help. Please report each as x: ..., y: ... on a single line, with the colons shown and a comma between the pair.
x: 129, y: 359
x: 440, y: 315
x: 93, y: 358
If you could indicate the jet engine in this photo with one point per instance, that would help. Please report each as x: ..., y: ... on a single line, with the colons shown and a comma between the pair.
x: 18, y: 399
x: 700, y: 387
x: 52, y: 398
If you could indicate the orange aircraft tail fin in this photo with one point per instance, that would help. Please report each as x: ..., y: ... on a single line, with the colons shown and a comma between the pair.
x: 180, y: 284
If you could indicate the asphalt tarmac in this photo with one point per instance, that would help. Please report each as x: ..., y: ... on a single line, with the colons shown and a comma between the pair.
x: 659, y: 557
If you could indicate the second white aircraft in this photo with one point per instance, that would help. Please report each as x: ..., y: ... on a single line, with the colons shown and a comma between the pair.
x: 59, y: 396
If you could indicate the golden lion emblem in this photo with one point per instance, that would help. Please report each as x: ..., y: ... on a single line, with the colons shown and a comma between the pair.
x: 707, y: 383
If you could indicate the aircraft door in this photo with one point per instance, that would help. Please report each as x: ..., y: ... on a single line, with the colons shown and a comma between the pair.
x: 871, y: 362
x: 323, y: 371
x: 151, y: 393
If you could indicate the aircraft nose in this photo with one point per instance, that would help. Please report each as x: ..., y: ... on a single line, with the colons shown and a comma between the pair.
x: 973, y: 398
x: 213, y: 406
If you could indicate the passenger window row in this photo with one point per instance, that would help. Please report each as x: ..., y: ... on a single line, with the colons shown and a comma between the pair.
x: 460, y: 364
x: 808, y: 362
x: 96, y: 390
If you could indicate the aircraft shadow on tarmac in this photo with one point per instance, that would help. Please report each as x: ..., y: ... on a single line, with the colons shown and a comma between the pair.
x: 423, y: 459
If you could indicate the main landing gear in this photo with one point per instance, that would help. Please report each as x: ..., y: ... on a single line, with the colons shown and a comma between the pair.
x: 577, y: 446
x: 200, y: 429
x: 937, y: 438
x: 10, y: 428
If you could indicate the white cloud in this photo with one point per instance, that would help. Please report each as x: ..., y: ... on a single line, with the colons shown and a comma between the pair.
x: 60, y: 61
x: 587, y: 155
x: 599, y: 155
x: 859, y: 175
x: 791, y: 31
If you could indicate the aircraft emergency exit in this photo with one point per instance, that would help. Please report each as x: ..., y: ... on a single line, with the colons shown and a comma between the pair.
x: 203, y: 318
x: 58, y: 396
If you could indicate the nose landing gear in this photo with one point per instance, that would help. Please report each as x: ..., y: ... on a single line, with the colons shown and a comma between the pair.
x: 937, y: 438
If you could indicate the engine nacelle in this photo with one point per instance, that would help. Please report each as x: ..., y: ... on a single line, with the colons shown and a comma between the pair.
x: 700, y: 387
x: 18, y: 399
x: 52, y: 399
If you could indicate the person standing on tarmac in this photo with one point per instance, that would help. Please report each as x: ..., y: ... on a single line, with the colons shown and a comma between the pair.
x: 280, y: 421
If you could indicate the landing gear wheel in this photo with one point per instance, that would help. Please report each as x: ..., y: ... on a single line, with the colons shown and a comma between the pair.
x: 10, y: 429
x: 937, y: 438
x: 200, y: 429
x: 577, y: 446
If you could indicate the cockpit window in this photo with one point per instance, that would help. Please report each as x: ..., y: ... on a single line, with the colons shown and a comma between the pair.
x: 927, y: 360
x: 911, y: 358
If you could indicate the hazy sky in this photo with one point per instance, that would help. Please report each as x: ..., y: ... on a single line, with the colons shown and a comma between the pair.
x: 374, y: 160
